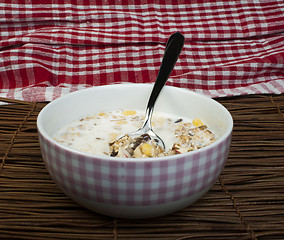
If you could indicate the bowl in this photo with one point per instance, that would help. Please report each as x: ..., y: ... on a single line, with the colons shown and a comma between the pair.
x: 134, y: 187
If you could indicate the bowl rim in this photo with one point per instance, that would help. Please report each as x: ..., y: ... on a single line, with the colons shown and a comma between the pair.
x: 45, y: 135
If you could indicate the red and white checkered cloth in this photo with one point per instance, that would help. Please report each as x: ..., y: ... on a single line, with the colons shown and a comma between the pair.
x: 50, y: 49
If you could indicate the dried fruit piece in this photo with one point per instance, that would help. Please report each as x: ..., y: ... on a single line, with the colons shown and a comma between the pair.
x: 197, y: 122
x: 147, y: 149
x: 121, y: 122
x: 129, y: 112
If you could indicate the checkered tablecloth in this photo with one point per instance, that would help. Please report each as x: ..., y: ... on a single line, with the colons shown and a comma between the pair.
x: 50, y: 49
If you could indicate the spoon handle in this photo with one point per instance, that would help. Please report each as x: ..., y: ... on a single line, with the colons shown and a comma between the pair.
x: 172, y: 52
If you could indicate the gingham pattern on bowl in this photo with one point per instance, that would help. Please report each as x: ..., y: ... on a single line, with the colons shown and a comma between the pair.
x: 134, y: 183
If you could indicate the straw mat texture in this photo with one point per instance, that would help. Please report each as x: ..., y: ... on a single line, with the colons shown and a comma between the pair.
x: 247, y: 201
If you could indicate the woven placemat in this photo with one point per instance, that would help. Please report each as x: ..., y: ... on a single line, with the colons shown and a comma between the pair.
x: 247, y: 201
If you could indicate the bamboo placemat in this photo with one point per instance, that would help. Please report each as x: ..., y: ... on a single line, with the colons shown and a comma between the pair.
x: 247, y: 201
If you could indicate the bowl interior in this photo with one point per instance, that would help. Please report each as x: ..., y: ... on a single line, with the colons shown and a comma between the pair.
x: 172, y: 100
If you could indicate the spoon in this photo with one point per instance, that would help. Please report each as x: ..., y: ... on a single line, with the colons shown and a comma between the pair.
x: 173, y: 49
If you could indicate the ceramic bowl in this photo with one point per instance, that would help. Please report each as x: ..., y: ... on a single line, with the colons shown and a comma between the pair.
x: 134, y: 188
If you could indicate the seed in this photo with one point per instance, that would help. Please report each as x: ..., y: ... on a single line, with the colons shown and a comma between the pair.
x: 179, y: 120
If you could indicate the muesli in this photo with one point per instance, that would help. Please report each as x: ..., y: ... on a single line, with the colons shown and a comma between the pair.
x: 100, y: 134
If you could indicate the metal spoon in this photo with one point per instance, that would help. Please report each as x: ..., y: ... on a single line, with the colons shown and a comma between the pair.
x: 172, y: 52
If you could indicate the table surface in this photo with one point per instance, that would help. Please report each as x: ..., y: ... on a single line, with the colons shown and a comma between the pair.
x: 246, y: 202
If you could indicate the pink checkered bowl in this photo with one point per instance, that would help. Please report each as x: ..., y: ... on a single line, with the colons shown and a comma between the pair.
x: 137, y: 187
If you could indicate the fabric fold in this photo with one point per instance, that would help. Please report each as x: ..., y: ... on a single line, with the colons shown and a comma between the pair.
x: 231, y: 48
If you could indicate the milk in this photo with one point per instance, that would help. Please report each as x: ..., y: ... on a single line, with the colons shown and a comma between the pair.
x: 94, y: 133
